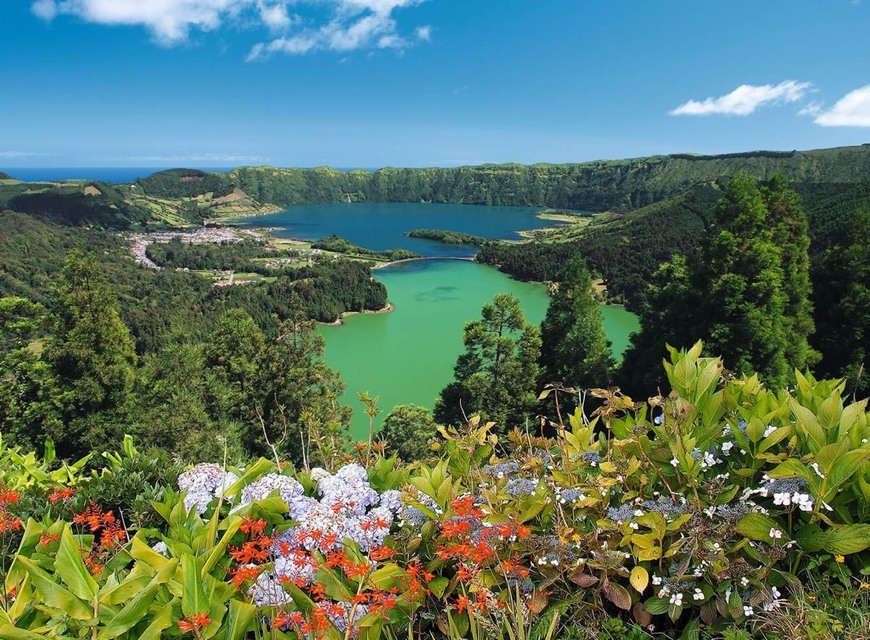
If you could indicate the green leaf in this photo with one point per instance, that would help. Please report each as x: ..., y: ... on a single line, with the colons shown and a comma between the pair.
x: 811, y: 538
x: 193, y: 598
x: 692, y: 631
x: 438, y: 585
x: 240, y: 619
x: 756, y: 526
x: 657, y: 606
x: 70, y: 567
x: 53, y: 594
x: 808, y: 425
x: 160, y: 621
x: 852, y: 538
x: 8, y: 632
x: 138, y: 608
x: 844, y: 468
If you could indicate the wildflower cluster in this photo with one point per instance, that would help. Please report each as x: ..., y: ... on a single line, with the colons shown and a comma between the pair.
x: 109, y: 535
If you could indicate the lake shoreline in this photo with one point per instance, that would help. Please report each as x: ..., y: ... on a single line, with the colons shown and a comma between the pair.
x: 346, y: 314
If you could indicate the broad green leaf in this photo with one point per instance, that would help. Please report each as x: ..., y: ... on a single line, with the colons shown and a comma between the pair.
x: 656, y: 606
x: 438, y: 585
x: 756, y: 526
x: 852, y: 538
x: 792, y: 468
x: 193, y: 598
x: 808, y: 424
x: 138, y: 608
x: 388, y: 576
x: 811, y: 538
x: 844, y: 468
x: 240, y: 619
x: 160, y: 621
x: 8, y: 632
x: 53, y: 594
x: 829, y: 413
x: 828, y: 455
x: 143, y: 553
x: 71, y: 568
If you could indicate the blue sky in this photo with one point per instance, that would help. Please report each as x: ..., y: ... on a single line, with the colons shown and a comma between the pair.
x: 370, y: 83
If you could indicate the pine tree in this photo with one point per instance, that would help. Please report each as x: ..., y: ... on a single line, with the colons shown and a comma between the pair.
x: 574, y: 347
x: 495, y: 377
x: 91, y: 356
x: 744, y: 292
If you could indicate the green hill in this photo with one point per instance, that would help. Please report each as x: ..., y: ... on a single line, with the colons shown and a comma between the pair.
x: 617, y: 185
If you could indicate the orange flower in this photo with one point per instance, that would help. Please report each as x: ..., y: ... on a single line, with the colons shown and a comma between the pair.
x: 243, y: 574
x: 253, y: 527
x: 48, y: 538
x: 60, y: 494
x: 7, y: 496
x: 382, y: 553
x: 462, y: 604
x: 194, y: 623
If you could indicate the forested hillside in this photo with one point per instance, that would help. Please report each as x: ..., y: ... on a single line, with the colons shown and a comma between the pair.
x: 619, y: 185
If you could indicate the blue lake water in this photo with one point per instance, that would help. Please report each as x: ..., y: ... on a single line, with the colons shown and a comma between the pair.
x: 381, y: 226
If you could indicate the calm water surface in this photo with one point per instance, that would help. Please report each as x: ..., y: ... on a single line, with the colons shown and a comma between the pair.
x: 383, y: 226
x: 407, y: 356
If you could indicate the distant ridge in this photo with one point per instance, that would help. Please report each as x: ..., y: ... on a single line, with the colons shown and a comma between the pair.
x: 5, y: 176
x: 614, y: 185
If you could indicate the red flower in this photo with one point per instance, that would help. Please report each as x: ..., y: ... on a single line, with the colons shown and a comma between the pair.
x: 243, y: 574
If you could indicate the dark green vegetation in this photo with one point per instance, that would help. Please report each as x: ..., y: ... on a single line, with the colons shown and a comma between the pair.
x: 622, y: 185
x: 496, y: 376
x: 237, y: 256
x: 449, y: 237
x: 748, y: 268
x: 340, y: 245
x: 574, y: 348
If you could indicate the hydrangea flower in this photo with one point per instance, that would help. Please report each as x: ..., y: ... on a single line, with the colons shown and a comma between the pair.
x: 288, y: 488
x: 203, y: 483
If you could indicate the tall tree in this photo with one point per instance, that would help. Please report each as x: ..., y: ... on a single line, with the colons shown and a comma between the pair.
x: 91, y: 356
x: 842, y: 296
x: 27, y: 398
x: 734, y: 292
x: 790, y: 227
x: 574, y: 347
x: 496, y: 375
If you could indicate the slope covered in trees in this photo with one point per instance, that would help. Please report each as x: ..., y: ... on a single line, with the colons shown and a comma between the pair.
x: 618, y: 185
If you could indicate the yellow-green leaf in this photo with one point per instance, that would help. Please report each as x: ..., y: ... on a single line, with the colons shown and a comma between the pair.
x: 639, y: 578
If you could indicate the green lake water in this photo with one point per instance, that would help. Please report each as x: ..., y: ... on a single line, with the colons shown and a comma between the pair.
x: 407, y: 356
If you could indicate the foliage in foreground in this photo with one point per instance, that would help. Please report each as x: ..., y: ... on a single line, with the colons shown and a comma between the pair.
x: 712, y: 512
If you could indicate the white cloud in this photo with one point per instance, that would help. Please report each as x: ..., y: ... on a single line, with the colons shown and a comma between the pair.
x: 745, y: 99
x: 852, y: 110
x: 353, y: 24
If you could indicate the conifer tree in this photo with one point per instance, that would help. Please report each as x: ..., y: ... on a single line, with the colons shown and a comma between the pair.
x: 574, y: 347
x: 744, y: 292
x: 495, y: 377
x: 91, y: 356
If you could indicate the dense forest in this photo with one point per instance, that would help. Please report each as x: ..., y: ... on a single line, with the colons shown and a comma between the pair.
x: 618, y: 185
